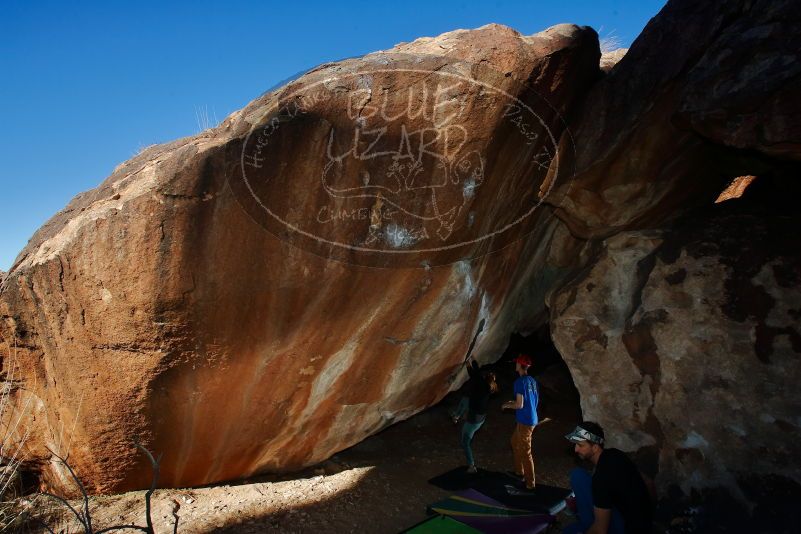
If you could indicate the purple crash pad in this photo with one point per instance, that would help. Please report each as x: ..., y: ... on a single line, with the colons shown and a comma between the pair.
x: 490, y: 516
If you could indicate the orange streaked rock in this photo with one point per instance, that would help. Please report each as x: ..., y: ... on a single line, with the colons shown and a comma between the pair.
x: 199, y: 303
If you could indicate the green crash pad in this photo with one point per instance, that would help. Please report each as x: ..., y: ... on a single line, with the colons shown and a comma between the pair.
x: 439, y: 524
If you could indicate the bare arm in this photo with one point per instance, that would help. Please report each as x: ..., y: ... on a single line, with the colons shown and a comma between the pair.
x: 515, y: 404
x: 603, y: 516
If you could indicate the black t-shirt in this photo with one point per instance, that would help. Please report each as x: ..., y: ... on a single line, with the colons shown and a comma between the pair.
x: 617, y: 484
x: 478, y: 392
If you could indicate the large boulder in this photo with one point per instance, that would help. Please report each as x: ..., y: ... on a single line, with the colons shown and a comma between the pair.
x: 275, y: 289
x: 680, y: 329
x: 706, y: 93
x: 685, y: 345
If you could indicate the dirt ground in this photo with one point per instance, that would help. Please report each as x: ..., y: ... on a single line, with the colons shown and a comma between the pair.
x: 378, y: 485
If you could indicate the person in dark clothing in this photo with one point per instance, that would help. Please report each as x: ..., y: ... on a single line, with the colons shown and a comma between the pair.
x: 479, y: 388
x: 615, y: 497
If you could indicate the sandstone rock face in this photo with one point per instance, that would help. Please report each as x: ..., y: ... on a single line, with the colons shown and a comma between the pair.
x: 654, y: 137
x: 277, y: 288
x: 685, y: 343
x: 610, y: 59
x: 681, y: 332
x: 743, y: 91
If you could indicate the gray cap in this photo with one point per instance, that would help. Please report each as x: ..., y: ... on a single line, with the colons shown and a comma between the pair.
x: 580, y: 434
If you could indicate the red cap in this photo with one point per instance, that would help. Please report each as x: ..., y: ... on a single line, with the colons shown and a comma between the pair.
x: 524, y: 360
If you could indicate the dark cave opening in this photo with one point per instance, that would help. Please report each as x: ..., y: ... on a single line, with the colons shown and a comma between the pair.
x: 559, y: 399
x: 536, y: 344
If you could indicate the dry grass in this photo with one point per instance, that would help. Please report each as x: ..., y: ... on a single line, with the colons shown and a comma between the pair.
x: 609, y: 42
x: 204, y: 119
x: 20, y: 512
x: 14, y: 435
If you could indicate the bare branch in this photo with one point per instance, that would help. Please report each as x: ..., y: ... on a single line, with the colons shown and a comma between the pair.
x: 155, y: 465
x: 68, y: 505
x: 175, y: 515
x: 88, y: 523
x: 84, y: 517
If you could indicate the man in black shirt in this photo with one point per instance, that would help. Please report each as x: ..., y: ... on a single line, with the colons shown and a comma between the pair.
x: 615, y: 497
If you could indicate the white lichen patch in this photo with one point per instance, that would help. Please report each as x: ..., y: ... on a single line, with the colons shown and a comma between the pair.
x: 399, y: 237
x: 465, y: 272
x: 469, y: 188
x: 335, y: 368
x: 105, y: 295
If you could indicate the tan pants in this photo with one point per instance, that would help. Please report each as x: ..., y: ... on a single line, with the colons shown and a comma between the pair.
x: 521, y: 447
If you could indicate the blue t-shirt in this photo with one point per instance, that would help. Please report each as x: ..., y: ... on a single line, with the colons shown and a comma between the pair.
x: 527, y: 386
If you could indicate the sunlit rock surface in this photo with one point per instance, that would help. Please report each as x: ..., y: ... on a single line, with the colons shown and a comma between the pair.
x: 275, y: 289
x: 611, y: 58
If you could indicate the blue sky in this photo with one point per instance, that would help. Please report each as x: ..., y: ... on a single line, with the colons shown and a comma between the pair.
x: 85, y: 85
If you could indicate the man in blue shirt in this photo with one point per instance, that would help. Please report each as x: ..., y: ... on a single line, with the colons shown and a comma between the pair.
x: 525, y: 406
